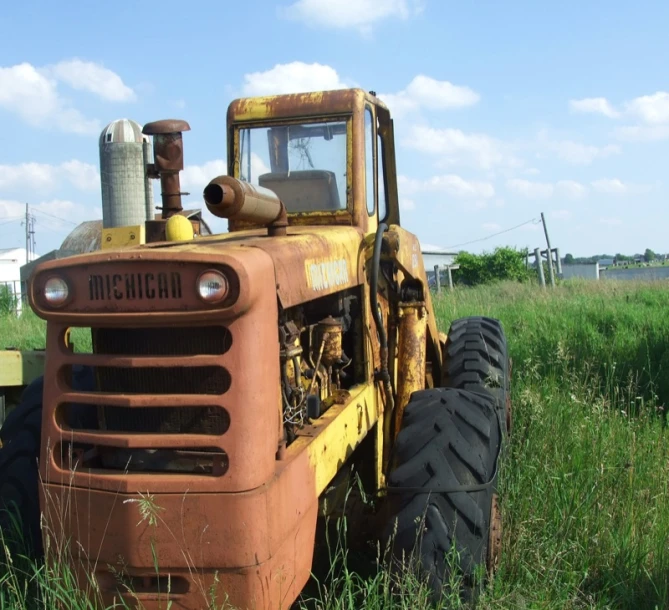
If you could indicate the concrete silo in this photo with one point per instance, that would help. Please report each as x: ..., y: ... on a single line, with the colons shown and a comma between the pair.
x: 127, y: 194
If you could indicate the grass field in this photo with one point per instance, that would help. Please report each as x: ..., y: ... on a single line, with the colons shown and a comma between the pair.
x: 584, y: 487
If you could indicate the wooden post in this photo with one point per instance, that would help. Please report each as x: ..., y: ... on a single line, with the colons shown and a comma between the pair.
x: 551, y: 277
x: 450, y: 277
x: 437, y: 279
x: 540, y: 267
x: 558, y: 262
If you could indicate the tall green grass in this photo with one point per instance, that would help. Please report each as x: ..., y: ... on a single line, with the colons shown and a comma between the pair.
x: 584, y: 486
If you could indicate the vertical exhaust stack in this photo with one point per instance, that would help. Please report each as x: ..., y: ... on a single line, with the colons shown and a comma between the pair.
x: 168, y: 161
x: 168, y: 156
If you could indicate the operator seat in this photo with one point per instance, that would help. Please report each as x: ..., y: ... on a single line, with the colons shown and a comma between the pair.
x: 311, y: 190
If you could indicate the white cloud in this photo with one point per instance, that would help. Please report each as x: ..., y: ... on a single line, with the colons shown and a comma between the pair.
x: 595, y: 105
x: 615, y: 186
x: 295, y: 77
x: 561, y: 214
x: 569, y: 189
x: 449, y: 184
x: 576, y: 152
x: 610, y: 186
x: 456, y: 146
x: 33, y: 95
x: 94, y: 78
x: 611, y: 221
x: 531, y: 190
x: 354, y: 14
x: 582, y: 154
x: 407, y: 204
x: 491, y: 226
x: 46, y: 177
x: 651, y: 109
x: 426, y: 92
x: 198, y: 176
x: 643, y: 133
x: 651, y: 113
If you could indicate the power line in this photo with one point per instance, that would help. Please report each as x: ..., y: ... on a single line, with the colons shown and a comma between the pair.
x: 11, y: 221
x: 473, y: 241
x: 54, y: 217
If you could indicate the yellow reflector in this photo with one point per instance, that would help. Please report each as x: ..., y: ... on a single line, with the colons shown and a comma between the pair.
x: 178, y: 228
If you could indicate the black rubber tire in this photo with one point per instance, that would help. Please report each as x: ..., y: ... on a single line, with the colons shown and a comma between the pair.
x: 19, y: 477
x: 21, y: 436
x: 476, y: 359
x: 449, y: 438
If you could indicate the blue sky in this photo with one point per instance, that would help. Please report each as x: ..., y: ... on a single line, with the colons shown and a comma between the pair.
x: 503, y: 110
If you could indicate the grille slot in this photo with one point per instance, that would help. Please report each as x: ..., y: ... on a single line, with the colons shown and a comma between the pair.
x: 204, y: 340
x: 163, y: 342
x: 210, y: 380
x: 152, y: 420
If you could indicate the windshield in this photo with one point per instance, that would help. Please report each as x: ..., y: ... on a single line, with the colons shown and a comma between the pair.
x: 304, y: 164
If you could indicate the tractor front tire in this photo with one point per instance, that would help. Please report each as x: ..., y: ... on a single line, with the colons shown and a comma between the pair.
x: 476, y: 359
x: 450, y: 439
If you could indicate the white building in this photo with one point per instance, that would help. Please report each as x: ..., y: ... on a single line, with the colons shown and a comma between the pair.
x: 11, y: 260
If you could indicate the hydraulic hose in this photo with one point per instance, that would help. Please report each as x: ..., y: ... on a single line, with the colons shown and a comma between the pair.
x: 383, y: 337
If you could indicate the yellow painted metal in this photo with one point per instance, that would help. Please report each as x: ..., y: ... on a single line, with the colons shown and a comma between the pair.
x: 19, y: 368
x: 411, y: 355
x: 334, y: 436
x: 120, y: 237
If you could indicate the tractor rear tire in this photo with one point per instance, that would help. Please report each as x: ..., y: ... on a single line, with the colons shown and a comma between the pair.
x: 21, y: 436
x: 476, y: 359
x: 449, y: 439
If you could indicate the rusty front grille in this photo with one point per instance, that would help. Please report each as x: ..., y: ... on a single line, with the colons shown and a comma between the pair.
x: 195, y: 380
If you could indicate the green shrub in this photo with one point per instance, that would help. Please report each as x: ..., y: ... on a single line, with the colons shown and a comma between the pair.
x: 501, y: 264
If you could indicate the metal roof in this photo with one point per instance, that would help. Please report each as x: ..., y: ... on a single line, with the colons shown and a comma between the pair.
x: 122, y: 130
x: 86, y: 237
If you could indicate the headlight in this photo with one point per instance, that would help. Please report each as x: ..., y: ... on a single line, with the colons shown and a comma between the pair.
x: 56, y: 291
x: 212, y: 286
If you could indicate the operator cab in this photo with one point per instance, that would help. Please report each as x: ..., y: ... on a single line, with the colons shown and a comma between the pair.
x: 328, y: 156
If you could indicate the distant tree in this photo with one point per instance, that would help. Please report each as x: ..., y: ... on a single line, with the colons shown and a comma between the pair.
x: 502, y: 264
x: 569, y: 259
x: 649, y: 255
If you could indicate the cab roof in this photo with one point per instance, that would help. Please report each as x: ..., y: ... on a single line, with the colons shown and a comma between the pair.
x: 297, y: 105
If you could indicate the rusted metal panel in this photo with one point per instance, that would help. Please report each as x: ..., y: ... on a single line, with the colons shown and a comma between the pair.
x: 268, y: 530
x: 317, y: 103
x: 411, y: 355
x: 404, y: 248
x: 308, y: 263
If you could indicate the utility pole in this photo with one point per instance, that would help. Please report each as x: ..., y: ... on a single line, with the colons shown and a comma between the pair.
x: 30, y: 235
x: 551, y: 275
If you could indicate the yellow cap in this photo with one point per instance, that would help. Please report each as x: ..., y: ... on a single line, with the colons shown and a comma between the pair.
x: 178, y: 228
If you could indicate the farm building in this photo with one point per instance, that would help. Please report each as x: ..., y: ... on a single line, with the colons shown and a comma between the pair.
x: 432, y: 255
x: 11, y: 261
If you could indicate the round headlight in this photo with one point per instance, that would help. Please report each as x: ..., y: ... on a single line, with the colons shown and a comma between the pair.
x: 212, y: 286
x: 56, y: 291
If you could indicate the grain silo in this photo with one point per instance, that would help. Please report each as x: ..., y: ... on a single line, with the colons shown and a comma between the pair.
x: 127, y: 194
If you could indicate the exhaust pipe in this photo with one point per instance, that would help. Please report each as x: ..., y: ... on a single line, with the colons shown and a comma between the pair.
x: 227, y: 197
